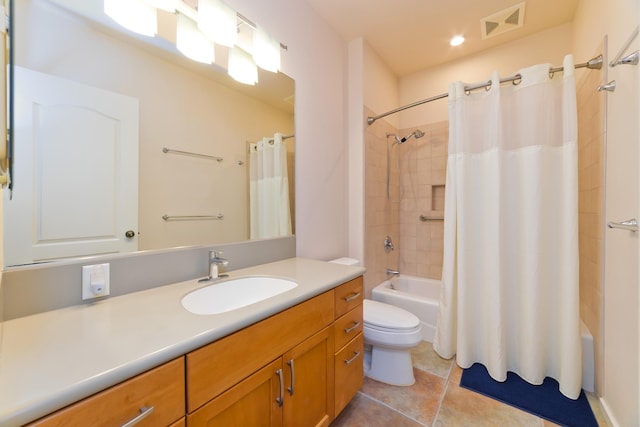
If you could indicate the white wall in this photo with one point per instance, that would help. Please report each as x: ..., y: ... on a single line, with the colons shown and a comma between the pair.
x: 616, y: 19
x: 380, y: 85
x: 356, y: 150
x: 317, y: 60
x: 548, y: 46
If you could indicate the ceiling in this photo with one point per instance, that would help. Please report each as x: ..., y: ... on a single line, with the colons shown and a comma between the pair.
x: 412, y: 35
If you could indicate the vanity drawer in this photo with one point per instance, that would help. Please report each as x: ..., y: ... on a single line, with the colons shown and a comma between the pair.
x: 216, y: 367
x: 348, y: 372
x: 161, y: 388
x: 347, y: 327
x: 348, y: 296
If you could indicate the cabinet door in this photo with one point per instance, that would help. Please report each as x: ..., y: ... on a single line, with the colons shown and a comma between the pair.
x: 252, y: 402
x: 309, y: 380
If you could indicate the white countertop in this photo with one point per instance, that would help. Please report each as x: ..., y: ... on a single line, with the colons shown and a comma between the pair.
x: 52, y: 359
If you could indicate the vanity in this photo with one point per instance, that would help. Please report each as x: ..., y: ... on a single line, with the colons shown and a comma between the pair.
x: 293, y: 359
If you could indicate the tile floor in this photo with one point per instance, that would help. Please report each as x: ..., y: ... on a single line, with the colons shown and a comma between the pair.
x: 436, y: 400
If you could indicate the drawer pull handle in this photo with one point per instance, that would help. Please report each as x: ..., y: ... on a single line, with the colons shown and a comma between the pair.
x: 350, y: 361
x: 353, y: 296
x: 353, y: 328
x: 293, y: 377
x: 280, y: 399
x: 144, y: 413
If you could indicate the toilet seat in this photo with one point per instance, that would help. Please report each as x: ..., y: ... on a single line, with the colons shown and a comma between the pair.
x: 388, y: 318
x: 389, y: 326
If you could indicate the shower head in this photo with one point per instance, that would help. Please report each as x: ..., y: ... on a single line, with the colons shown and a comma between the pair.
x: 416, y: 134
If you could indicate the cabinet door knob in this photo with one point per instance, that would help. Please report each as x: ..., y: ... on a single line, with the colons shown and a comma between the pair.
x: 351, y: 297
x: 293, y: 377
x: 144, y: 413
x: 350, y: 361
x: 352, y: 328
x: 280, y: 399
x: 130, y: 234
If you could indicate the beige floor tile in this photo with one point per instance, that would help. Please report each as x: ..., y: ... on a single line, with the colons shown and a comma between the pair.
x: 426, y: 359
x: 419, y: 401
x: 363, y: 411
x: 462, y: 408
x: 456, y: 374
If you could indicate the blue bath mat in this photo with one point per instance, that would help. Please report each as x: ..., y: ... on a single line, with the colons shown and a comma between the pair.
x: 543, y: 400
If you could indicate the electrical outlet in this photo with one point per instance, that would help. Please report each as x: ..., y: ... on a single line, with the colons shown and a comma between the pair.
x: 95, y: 281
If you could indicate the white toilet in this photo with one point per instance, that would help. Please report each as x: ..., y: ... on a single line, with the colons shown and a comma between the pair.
x: 389, y: 335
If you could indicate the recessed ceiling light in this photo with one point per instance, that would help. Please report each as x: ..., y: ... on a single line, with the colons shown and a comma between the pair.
x: 457, y: 41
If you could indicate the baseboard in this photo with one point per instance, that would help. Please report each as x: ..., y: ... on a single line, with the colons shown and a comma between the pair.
x: 607, y: 412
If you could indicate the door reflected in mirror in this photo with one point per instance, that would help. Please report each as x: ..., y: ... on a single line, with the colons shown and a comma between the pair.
x: 182, y: 107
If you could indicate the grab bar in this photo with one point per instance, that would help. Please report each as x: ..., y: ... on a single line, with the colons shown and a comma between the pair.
x: 630, y: 224
x: 189, y: 153
x: 191, y: 217
x: 425, y: 218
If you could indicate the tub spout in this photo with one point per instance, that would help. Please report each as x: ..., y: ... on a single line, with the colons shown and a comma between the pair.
x: 391, y: 272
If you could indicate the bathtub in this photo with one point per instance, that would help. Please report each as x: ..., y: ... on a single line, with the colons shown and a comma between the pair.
x: 417, y: 295
x: 421, y: 297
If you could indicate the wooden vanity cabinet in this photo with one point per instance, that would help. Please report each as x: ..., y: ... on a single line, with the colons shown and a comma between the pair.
x: 159, y: 391
x: 286, y: 358
x: 299, y: 367
x: 314, y: 348
x: 349, y: 342
x: 293, y: 390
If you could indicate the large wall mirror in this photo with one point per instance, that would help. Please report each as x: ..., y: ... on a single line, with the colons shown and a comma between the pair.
x: 173, y: 137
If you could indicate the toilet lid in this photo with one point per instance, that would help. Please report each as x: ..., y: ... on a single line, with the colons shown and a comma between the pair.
x: 381, y: 315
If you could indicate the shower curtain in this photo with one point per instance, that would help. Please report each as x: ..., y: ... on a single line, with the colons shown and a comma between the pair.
x: 510, y: 270
x: 269, y: 189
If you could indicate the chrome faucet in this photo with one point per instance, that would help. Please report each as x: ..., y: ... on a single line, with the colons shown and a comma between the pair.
x: 391, y: 272
x: 215, y: 261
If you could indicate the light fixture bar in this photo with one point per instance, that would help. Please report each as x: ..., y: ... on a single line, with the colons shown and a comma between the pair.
x: 187, y: 10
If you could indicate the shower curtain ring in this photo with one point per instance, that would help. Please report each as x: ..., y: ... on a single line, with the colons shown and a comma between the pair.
x: 517, y: 80
x: 551, y: 74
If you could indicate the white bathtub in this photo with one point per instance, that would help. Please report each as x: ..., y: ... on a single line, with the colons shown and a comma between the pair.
x: 417, y: 295
x: 421, y: 297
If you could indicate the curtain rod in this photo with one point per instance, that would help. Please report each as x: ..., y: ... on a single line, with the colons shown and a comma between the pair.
x: 593, y: 64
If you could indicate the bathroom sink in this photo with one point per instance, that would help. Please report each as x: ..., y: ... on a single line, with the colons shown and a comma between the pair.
x: 221, y: 297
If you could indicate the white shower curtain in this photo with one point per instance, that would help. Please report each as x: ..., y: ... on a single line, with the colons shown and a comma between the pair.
x: 510, y: 271
x: 269, y: 189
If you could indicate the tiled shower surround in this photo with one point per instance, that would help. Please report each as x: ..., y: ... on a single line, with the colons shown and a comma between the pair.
x: 591, y: 149
x: 418, y: 244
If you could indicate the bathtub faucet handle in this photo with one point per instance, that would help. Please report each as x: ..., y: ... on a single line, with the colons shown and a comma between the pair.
x: 391, y: 272
x: 388, y: 244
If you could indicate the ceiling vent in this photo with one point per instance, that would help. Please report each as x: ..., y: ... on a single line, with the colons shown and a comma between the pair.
x: 506, y: 20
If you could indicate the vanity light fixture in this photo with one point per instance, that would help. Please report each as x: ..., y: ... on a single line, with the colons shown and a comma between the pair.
x: 241, y: 67
x: 266, y: 50
x: 192, y: 43
x: 135, y: 15
x: 218, y: 22
x: 457, y: 40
